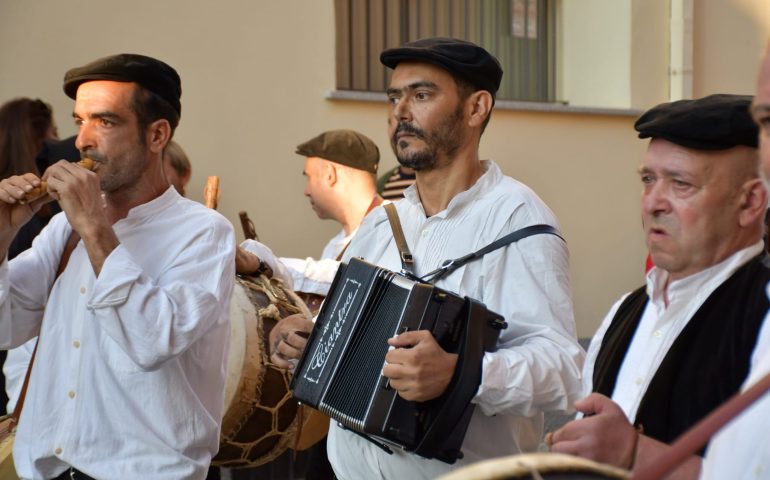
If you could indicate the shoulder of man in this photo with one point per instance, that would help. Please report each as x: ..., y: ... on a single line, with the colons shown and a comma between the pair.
x: 208, y: 217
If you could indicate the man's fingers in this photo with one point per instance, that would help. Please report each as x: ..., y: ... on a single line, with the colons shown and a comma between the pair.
x: 280, y: 362
x: 408, y: 339
x: 297, y: 340
x: 287, y: 351
x: 569, y: 447
x: 594, y: 403
x: 15, y: 188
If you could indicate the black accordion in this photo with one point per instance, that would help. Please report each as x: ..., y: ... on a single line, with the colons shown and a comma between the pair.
x: 340, y: 371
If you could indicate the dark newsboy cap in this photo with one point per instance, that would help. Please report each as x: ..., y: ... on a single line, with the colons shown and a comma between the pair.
x: 716, y: 122
x: 462, y: 58
x: 345, y: 147
x: 148, y: 72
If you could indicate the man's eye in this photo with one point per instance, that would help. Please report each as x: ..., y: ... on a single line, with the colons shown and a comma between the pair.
x: 647, y: 179
x: 421, y: 95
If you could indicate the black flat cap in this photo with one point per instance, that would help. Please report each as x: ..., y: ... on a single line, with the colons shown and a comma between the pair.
x: 716, y: 122
x: 148, y: 72
x: 462, y: 58
x: 345, y: 147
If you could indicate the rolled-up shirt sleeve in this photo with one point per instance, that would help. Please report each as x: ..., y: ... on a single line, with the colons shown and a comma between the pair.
x: 154, y: 319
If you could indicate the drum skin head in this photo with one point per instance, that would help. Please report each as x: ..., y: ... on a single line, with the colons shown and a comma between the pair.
x: 536, y: 466
x: 260, y: 420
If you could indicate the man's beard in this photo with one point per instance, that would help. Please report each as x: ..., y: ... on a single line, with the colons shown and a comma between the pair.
x: 113, y: 176
x: 446, y: 139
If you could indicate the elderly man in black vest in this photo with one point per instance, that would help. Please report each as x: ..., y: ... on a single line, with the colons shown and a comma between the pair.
x: 671, y: 351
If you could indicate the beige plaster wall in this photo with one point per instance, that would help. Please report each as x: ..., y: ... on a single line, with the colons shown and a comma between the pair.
x: 593, y: 43
x: 729, y: 37
x: 255, y: 76
x: 650, y: 40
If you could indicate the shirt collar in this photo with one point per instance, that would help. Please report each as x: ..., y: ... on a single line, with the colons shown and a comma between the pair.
x: 704, y: 281
x: 491, y: 177
x: 157, y: 204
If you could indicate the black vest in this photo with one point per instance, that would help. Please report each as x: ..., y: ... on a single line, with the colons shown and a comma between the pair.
x: 705, y: 365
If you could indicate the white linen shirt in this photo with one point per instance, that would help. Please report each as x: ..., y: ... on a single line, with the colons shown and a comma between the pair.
x: 316, y: 276
x: 129, y: 377
x: 740, y: 449
x: 659, y: 326
x: 537, y: 365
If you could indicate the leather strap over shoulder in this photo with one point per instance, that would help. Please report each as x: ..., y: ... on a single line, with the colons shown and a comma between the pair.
x: 407, y: 262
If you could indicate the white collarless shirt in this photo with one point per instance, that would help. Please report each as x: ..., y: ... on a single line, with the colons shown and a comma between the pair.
x: 129, y: 377
x: 537, y: 365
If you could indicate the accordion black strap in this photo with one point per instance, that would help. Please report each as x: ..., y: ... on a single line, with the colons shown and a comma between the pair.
x: 465, y: 381
x: 450, y: 266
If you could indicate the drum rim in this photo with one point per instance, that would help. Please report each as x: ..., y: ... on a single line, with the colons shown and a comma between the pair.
x: 523, y: 464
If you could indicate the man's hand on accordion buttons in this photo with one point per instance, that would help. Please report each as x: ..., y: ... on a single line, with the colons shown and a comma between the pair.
x: 288, y: 339
x: 418, y: 368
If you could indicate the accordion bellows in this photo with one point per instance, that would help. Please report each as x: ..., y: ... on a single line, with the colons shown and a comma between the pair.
x: 340, y: 372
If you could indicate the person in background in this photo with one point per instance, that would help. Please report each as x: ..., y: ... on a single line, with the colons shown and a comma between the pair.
x: 676, y: 348
x: 391, y: 184
x: 27, y: 127
x: 340, y: 182
x: 177, y: 167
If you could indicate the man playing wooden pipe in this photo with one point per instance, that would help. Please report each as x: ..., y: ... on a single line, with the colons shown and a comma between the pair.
x: 129, y: 289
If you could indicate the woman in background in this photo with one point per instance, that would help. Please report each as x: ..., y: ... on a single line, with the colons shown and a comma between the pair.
x: 25, y: 125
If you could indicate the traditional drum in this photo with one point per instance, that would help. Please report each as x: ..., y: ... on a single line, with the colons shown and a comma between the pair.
x: 537, y: 466
x: 7, y: 470
x: 261, y: 419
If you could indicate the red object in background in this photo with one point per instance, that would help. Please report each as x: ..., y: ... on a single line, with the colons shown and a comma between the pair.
x: 648, y: 265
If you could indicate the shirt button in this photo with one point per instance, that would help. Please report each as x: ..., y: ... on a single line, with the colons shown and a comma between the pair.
x: 424, y: 232
x: 82, y: 289
x: 638, y: 381
x: 658, y: 333
x: 57, y: 451
x: 76, y: 344
x: 71, y: 394
x: 759, y: 470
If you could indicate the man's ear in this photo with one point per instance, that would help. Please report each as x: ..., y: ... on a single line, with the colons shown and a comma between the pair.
x: 158, y: 135
x: 753, y: 202
x: 330, y: 173
x: 480, y: 105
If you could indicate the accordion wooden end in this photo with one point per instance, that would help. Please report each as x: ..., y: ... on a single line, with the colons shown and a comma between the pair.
x: 340, y: 372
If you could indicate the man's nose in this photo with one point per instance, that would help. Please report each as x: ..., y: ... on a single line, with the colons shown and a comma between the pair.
x: 654, y: 199
x: 85, y: 140
x: 401, y: 110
